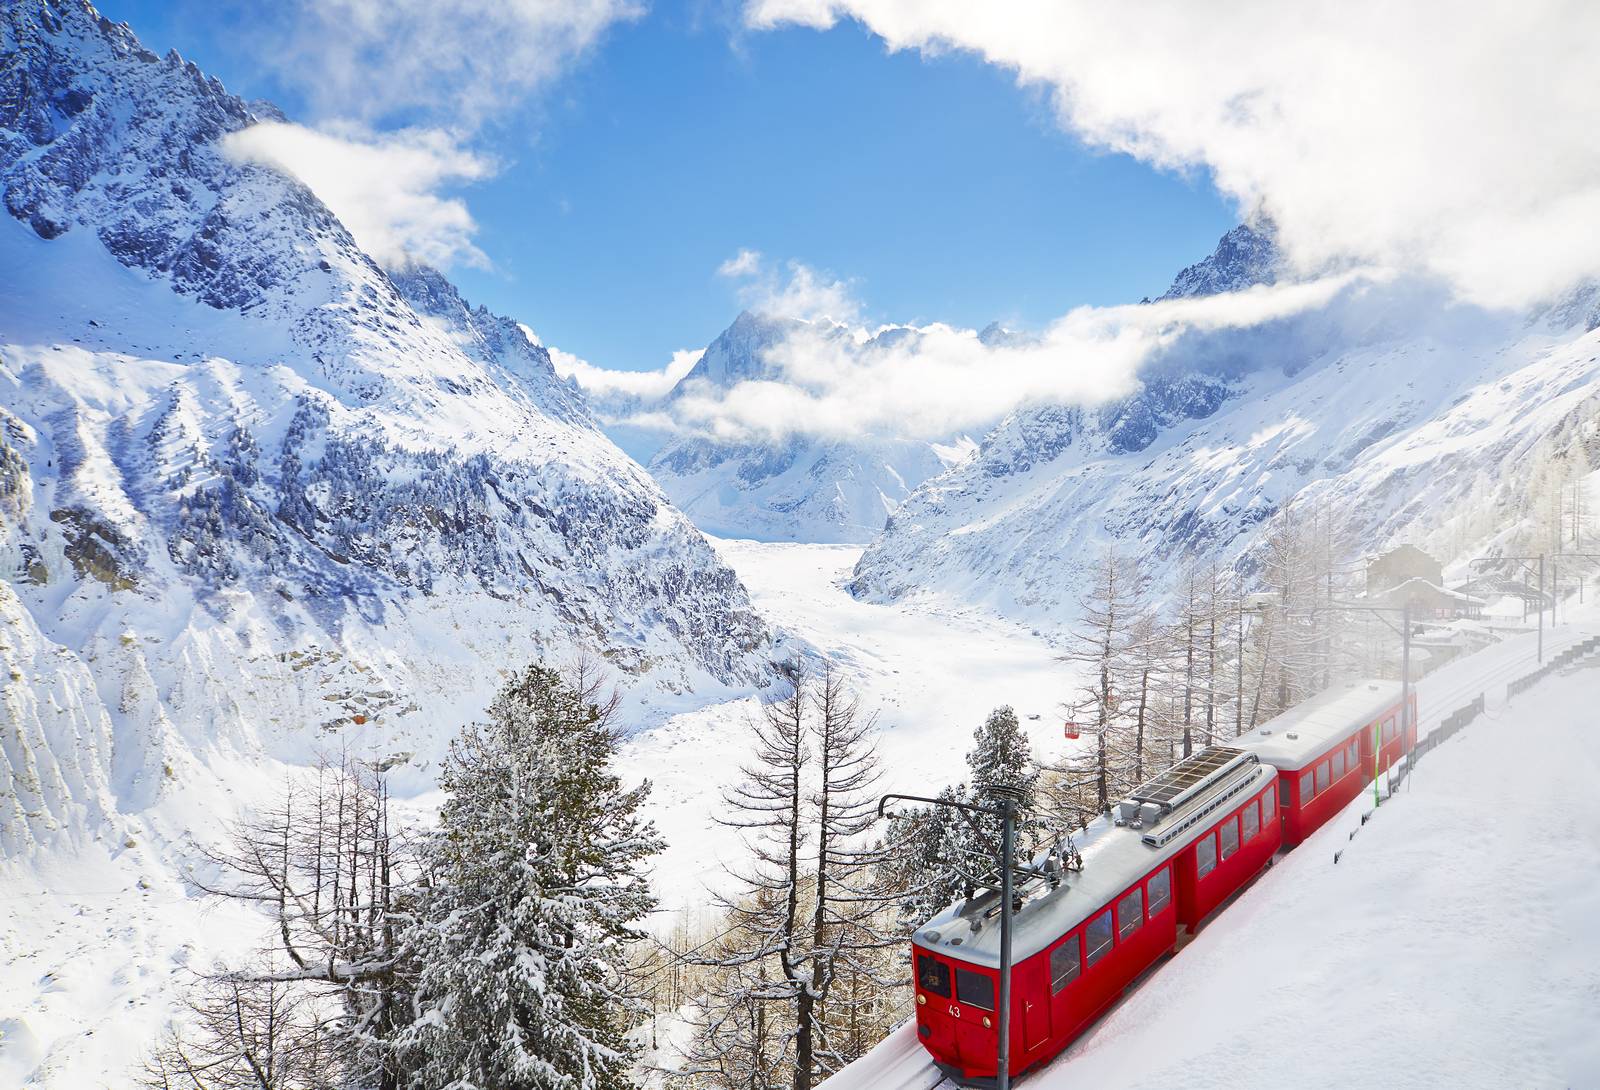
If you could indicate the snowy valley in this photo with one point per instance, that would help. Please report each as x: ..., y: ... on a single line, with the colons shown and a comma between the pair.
x: 277, y: 509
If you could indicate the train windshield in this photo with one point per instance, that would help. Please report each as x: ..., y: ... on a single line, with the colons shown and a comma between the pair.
x: 933, y: 976
x: 975, y: 989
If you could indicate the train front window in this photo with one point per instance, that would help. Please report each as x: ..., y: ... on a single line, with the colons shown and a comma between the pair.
x: 1064, y: 964
x: 933, y: 976
x: 1284, y: 788
x: 974, y: 989
x: 1097, y: 938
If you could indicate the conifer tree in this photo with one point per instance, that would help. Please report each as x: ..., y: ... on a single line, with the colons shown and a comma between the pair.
x: 536, y: 883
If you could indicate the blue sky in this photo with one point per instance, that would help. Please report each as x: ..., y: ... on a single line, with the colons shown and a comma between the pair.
x: 937, y: 187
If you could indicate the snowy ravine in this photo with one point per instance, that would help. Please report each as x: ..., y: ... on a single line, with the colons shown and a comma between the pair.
x: 1467, y: 901
x: 1390, y: 403
x: 801, y: 487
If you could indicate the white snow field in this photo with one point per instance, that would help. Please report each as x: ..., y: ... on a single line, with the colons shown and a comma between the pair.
x: 931, y: 671
x: 1453, y: 944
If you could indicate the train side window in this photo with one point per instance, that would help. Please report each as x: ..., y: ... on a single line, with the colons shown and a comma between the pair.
x: 1266, y: 805
x: 1307, y: 791
x: 1130, y: 912
x: 1064, y: 965
x: 1284, y: 788
x: 1322, y: 777
x: 1338, y: 765
x: 975, y: 989
x: 933, y: 976
x: 1160, y: 890
x: 1252, y: 823
x: 1205, y: 856
x: 1230, y: 837
x: 1388, y: 730
x: 1097, y: 938
x: 1355, y: 753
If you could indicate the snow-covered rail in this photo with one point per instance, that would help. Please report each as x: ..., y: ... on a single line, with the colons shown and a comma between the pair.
x: 898, y: 1063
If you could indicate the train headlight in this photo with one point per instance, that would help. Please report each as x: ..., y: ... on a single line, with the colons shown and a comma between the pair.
x: 922, y: 1000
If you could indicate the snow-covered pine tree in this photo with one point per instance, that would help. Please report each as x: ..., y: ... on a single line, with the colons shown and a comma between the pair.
x: 935, y: 855
x: 536, y: 884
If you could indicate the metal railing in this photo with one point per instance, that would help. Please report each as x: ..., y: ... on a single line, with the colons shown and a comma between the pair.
x: 1458, y: 720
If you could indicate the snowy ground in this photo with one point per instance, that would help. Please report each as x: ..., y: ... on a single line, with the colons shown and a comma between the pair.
x: 1452, y: 945
x: 97, y: 943
x: 931, y: 673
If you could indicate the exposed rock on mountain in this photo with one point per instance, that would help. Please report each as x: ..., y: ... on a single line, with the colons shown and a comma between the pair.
x: 1385, y: 418
x: 256, y: 491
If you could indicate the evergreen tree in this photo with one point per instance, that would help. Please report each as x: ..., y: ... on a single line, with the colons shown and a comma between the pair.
x: 536, y: 883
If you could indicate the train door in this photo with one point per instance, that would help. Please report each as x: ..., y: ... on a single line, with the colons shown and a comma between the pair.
x: 1033, y: 991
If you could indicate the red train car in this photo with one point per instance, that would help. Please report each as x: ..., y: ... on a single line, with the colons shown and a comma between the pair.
x: 1178, y: 847
x: 1325, y: 753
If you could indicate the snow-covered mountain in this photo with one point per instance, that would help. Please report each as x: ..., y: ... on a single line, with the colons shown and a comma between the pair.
x: 800, y: 487
x: 1390, y: 401
x: 258, y: 494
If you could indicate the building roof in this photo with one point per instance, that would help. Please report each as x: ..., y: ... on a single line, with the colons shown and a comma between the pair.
x: 1417, y: 586
x: 1312, y: 727
x: 1114, y: 857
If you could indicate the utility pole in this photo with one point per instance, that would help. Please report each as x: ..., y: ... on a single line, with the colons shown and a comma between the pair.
x: 1006, y: 801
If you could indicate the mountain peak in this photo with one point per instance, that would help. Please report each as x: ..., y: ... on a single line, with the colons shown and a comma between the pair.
x: 1245, y: 256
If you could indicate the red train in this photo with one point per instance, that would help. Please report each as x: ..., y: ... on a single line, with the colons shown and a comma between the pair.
x: 1172, y: 853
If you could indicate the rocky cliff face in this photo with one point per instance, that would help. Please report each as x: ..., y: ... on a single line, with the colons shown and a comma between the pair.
x: 256, y: 490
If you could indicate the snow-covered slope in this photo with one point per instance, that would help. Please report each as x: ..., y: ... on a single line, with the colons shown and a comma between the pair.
x: 798, y: 488
x: 1389, y: 402
x: 256, y: 494
x: 1452, y: 938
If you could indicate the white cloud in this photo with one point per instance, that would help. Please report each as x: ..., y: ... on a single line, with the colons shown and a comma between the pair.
x: 941, y: 381
x: 457, y: 62
x: 1454, y: 140
x: 744, y: 263
x: 384, y: 188
x: 609, y: 389
x: 796, y: 291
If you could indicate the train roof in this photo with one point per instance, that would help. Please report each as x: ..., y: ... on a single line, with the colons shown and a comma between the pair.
x: 1116, y: 854
x: 1309, y: 729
